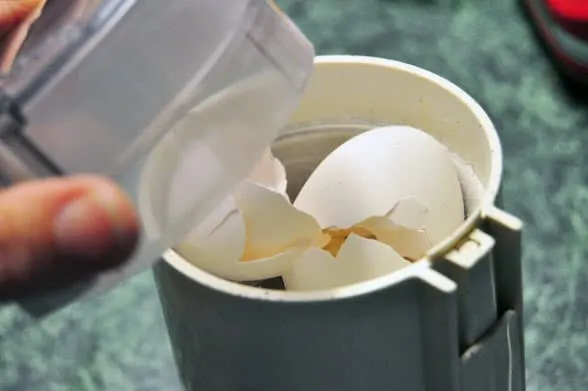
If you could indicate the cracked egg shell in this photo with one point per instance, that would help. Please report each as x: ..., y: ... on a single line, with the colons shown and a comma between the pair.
x: 371, y: 173
x: 254, y: 234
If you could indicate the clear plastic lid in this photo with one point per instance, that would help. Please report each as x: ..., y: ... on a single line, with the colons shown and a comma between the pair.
x: 175, y: 100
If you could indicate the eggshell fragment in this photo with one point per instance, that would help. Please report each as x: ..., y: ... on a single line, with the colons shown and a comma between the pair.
x: 224, y: 228
x: 233, y: 269
x: 410, y: 243
x: 217, y: 248
x: 358, y: 260
x: 402, y: 229
x: 272, y: 224
x: 409, y: 213
x: 256, y: 233
x: 370, y: 173
x: 270, y: 173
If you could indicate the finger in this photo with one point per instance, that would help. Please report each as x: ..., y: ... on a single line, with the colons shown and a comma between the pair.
x: 13, y: 13
x: 16, y: 18
x: 54, y: 232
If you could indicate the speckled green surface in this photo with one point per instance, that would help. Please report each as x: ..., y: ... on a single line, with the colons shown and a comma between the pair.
x: 118, y: 342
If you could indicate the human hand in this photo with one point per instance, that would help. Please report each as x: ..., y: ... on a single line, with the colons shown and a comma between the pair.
x: 54, y: 232
x: 16, y: 18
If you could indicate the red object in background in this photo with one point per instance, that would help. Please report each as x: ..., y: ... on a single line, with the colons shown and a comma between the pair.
x: 571, y: 9
x: 562, y: 25
x: 571, y: 14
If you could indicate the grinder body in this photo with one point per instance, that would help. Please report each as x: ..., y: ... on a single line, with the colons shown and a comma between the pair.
x: 451, y: 321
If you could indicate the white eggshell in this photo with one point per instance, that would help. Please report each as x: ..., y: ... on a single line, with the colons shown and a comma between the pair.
x: 402, y: 228
x: 258, y: 221
x: 269, y: 172
x: 410, y: 243
x: 358, y: 260
x: 235, y: 270
x: 409, y: 213
x: 370, y: 173
x: 272, y: 224
x: 471, y: 186
x: 217, y: 249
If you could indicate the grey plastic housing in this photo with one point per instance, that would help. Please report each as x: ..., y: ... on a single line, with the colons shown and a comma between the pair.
x: 459, y: 330
x: 451, y: 321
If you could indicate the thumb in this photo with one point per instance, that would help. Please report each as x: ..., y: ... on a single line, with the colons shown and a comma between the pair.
x: 56, y: 231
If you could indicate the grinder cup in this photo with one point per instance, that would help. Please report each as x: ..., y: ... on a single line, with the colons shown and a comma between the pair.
x: 449, y: 322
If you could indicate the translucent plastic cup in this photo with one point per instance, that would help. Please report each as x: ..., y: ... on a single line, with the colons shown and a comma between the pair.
x: 175, y: 100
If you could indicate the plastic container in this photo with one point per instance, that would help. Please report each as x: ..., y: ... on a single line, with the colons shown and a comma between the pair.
x: 175, y: 100
x: 451, y: 321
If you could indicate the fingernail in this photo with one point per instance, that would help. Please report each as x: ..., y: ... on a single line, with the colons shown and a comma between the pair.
x: 99, y: 224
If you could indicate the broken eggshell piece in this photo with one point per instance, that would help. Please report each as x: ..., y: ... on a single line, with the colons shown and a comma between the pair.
x: 370, y: 174
x: 359, y: 259
x: 403, y: 228
x: 380, y: 198
x: 255, y: 234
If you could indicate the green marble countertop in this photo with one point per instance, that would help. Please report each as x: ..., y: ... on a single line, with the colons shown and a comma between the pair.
x: 118, y: 342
